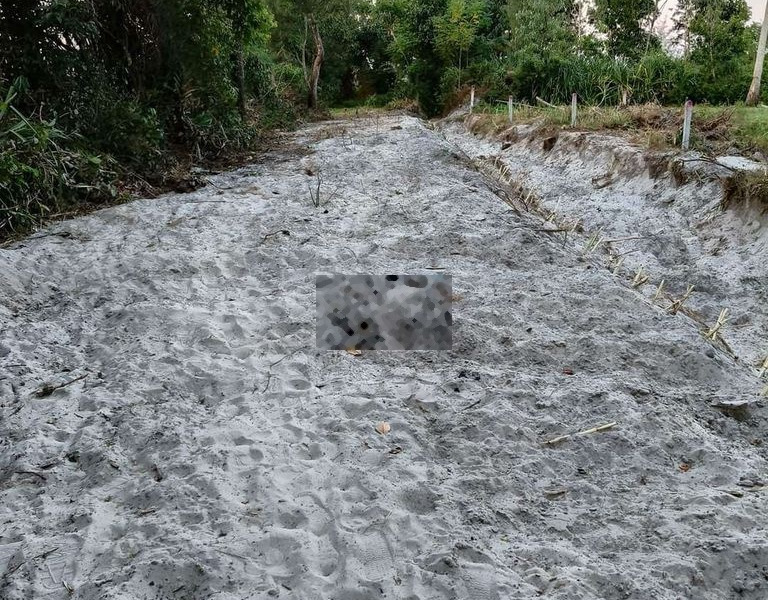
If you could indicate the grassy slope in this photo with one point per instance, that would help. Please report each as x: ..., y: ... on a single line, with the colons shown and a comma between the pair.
x: 715, y: 129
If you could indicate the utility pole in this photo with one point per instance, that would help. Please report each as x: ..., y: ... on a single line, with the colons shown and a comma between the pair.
x: 753, y: 97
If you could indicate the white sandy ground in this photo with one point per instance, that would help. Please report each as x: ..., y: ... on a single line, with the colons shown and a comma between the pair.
x: 213, y: 453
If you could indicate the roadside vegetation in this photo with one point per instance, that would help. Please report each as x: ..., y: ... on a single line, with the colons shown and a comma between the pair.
x: 717, y: 129
x: 103, y: 100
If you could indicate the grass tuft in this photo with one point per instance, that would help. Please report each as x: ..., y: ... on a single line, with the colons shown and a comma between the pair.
x: 715, y: 129
x: 44, y: 171
x: 746, y: 188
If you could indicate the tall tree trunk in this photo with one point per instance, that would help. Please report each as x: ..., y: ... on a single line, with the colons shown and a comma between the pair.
x: 314, y: 76
x: 754, y: 91
x: 240, y: 76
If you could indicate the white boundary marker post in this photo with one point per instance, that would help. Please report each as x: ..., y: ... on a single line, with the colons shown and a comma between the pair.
x: 471, y: 99
x: 574, y: 105
x: 511, y: 110
x: 687, y: 125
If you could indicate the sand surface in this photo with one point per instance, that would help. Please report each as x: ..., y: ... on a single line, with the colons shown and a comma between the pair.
x: 212, y: 452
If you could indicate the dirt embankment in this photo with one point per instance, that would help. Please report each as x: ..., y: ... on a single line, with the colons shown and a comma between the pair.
x: 212, y: 452
x: 684, y: 219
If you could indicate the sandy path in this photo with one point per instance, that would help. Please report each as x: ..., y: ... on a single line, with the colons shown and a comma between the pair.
x: 212, y: 452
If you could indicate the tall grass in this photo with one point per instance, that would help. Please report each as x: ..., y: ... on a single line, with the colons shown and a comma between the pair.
x: 43, y: 170
x: 602, y: 80
x: 716, y: 129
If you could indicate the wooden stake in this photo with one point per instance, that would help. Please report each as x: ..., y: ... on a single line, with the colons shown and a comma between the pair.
x: 753, y: 97
x: 687, y: 125
x: 510, y: 108
x: 574, y: 105
x: 471, y: 99
x: 597, y: 429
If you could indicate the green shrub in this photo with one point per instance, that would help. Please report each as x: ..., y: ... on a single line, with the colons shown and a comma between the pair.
x: 131, y: 133
x: 43, y: 170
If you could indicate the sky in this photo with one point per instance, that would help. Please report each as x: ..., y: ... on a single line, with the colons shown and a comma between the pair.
x: 758, y: 9
x: 664, y: 23
x: 757, y: 6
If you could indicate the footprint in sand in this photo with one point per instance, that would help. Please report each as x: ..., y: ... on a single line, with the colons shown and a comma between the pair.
x: 59, y: 567
x: 479, y: 582
x: 298, y: 385
x: 11, y: 556
x: 292, y: 379
x: 232, y: 329
x: 420, y: 500
x: 375, y: 558
x: 292, y: 519
x: 281, y: 554
x: 315, y: 451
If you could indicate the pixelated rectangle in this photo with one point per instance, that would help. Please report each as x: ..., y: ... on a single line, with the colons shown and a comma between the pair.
x: 384, y: 312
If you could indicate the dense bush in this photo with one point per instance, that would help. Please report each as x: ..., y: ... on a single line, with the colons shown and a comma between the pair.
x: 532, y: 48
x: 98, y: 91
x: 601, y: 80
x: 44, y: 170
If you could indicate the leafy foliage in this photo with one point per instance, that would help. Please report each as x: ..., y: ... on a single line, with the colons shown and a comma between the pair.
x: 622, y: 22
x: 97, y: 90
x: 42, y: 170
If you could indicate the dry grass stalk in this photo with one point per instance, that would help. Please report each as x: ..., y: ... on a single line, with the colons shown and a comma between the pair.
x: 593, y: 243
x: 315, y: 195
x: 763, y: 368
x: 678, y: 304
x: 745, y: 187
x: 713, y: 333
x: 48, y: 389
x: 502, y: 175
x: 659, y: 291
x: 640, y: 279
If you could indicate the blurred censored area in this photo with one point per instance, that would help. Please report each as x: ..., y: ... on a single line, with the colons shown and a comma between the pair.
x: 384, y: 312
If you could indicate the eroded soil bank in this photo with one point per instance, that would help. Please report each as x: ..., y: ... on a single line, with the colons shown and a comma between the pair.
x: 657, y: 211
x: 212, y: 452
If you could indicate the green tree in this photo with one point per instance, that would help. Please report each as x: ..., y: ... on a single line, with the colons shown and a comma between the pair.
x: 542, y: 26
x: 251, y: 22
x: 624, y: 24
x: 719, y: 31
x: 682, y: 17
x: 300, y: 34
x: 411, y: 29
x: 721, y: 51
x: 456, y: 29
